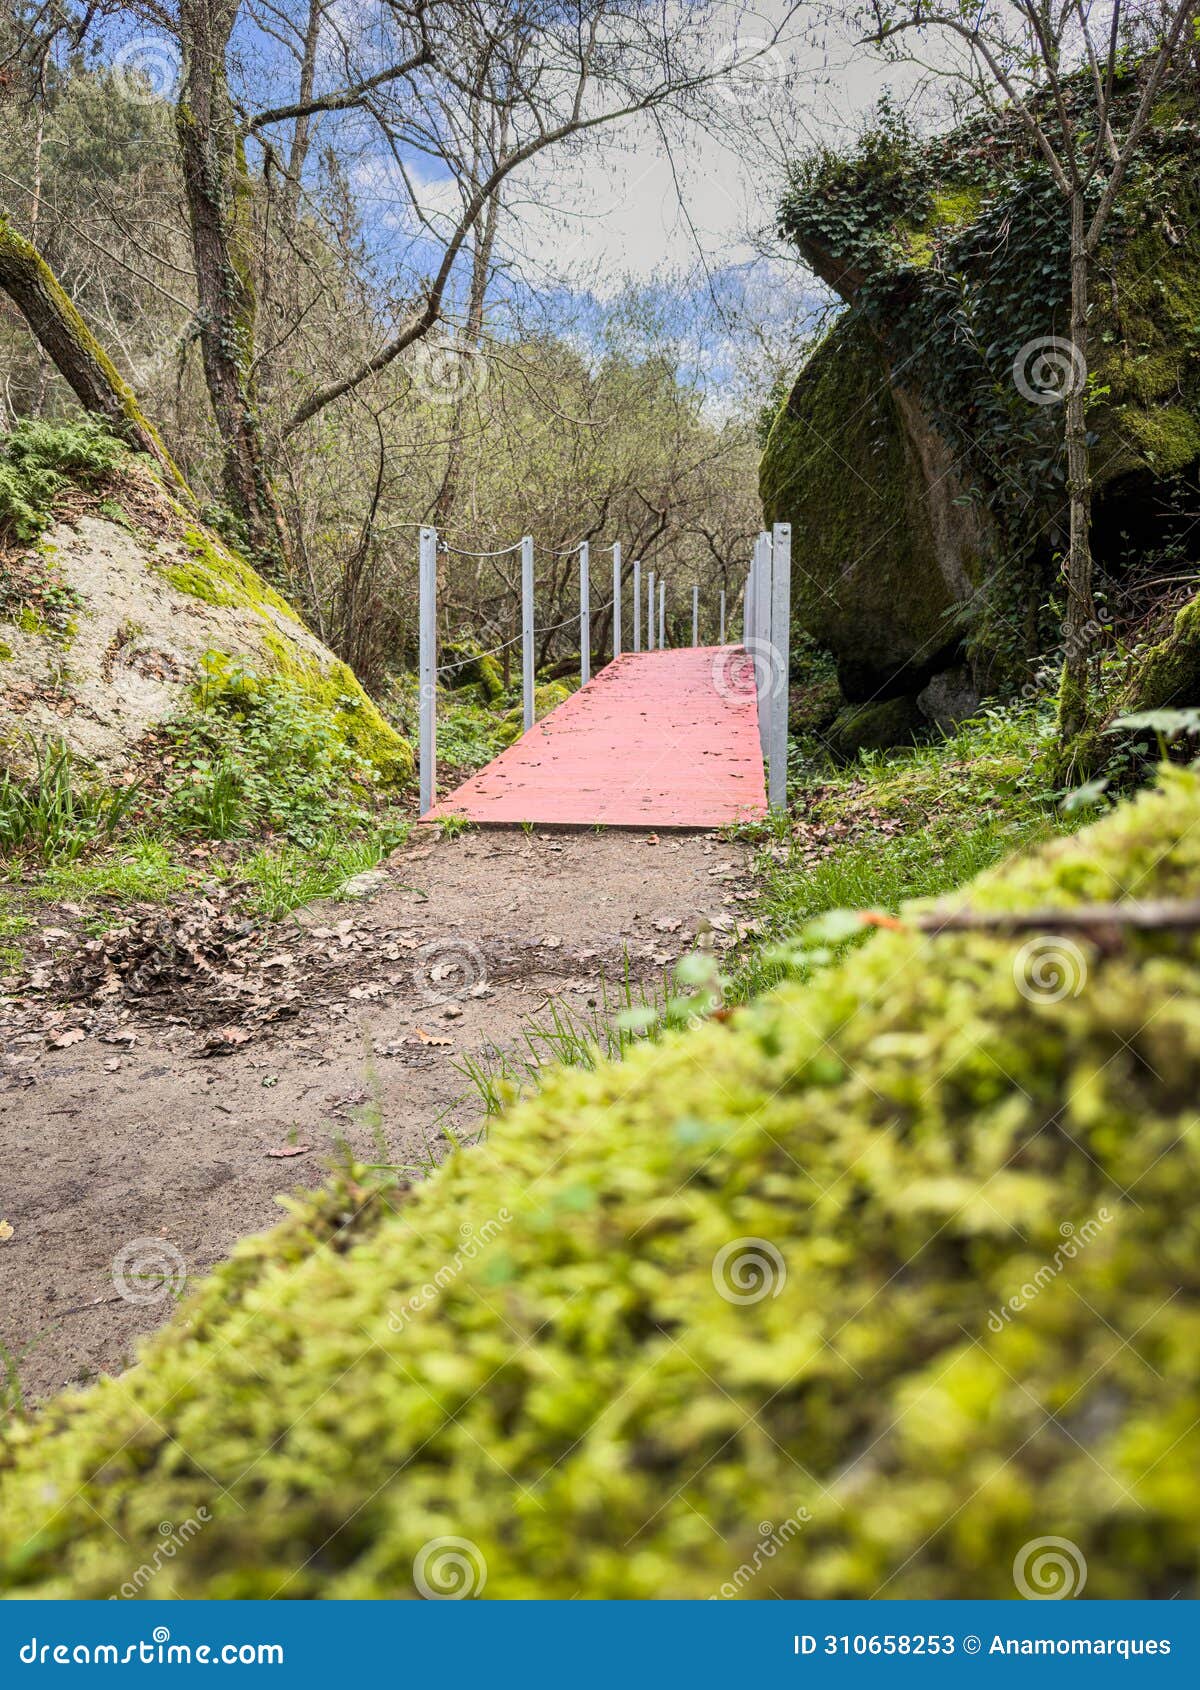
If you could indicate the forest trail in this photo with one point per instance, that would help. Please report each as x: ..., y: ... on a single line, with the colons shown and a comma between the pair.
x: 345, y: 1024
x: 656, y: 739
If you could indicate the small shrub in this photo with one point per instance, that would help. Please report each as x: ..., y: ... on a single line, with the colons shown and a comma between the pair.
x: 258, y: 755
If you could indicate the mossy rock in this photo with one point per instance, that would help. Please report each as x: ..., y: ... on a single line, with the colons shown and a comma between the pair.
x: 874, y: 727
x: 925, y: 486
x: 160, y: 599
x: 867, y: 579
x: 545, y: 698
x: 463, y: 664
x: 906, y: 1255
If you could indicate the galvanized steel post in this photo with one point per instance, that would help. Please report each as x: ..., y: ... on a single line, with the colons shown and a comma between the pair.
x: 781, y: 611
x: 427, y: 666
x: 616, y: 551
x: 650, y: 612
x: 637, y: 604
x: 722, y: 616
x: 527, y: 629
x: 662, y: 615
x: 585, y: 616
x: 695, y: 616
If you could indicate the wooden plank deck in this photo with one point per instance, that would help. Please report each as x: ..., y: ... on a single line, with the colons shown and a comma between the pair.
x: 655, y: 739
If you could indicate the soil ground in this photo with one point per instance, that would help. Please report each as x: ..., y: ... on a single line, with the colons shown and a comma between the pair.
x: 154, y: 1138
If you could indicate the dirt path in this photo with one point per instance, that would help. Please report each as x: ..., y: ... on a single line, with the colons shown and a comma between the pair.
x: 136, y: 1146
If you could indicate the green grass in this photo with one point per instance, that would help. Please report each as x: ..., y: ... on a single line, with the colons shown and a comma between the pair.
x: 139, y: 869
x: 966, y: 802
x: 281, y: 878
x: 60, y: 809
x: 13, y: 922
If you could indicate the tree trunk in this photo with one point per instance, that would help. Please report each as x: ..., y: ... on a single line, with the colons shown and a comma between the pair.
x: 481, y: 263
x: 218, y: 192
x: 1080, y: 620
x: 75, y: 352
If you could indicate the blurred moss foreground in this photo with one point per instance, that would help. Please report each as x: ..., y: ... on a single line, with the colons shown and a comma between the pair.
x: 972, y: 1177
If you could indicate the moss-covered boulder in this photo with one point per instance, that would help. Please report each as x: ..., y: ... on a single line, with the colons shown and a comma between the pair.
x: 862, y: 1289
x: 464, y: 663
x: 546, y: 697
x: 919, y: 455
x: 117, y: 606
x: 874, y: 727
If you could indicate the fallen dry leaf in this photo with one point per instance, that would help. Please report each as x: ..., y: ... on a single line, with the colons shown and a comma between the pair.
x: 431, y: 1038
x: 6, y: 1230
x: 289, y: 1150
x: 71, y: 1037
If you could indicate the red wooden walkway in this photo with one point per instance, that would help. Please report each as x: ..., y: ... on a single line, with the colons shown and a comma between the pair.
x: 656, y: 739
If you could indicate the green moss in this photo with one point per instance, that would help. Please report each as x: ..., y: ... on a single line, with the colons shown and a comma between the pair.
x: 546, y: 698
x: 874, y: 727
x: 953, y: 205
x: 218, y: 576
x: 6, y: 652
x: 464, y: 664
x: 1169, y: 673
x: 534, y: 1352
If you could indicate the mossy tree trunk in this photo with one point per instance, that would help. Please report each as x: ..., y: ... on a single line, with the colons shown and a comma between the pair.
x: 218, y: 191
x: 1080, y: 619
x: 72, y: 347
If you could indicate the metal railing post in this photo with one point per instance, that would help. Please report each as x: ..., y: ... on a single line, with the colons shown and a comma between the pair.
x: 762, y: 636
x: 637, y: 604
x: 662, y: 616
x: 722, y: 616
x: 585, y: 616
x: 427, y: 667
x: 781, y: 611
x: 650, y: 612
x: 616, y: 631
x: 695, y: 615
x: 527, y: 629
